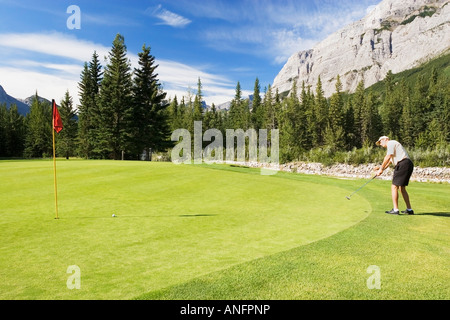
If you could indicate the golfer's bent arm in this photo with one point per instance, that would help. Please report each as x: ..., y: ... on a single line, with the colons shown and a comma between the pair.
x: 386, y: 162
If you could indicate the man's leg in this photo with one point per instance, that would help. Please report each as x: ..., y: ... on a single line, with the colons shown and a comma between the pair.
x: 394, y: 192
x: 405, y: 197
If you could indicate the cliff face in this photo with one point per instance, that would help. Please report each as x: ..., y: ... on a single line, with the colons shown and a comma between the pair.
x: 397, y: 35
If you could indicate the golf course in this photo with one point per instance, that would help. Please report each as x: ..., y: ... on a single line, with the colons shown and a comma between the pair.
x: 157, y: 230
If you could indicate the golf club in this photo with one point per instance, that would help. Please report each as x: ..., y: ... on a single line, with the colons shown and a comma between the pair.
x: 348, y: 197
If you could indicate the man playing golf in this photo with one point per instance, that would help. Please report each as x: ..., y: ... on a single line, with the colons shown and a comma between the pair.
x: 403, y: 168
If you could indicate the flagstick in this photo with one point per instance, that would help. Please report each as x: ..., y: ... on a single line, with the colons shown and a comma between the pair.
x: 54, y: 170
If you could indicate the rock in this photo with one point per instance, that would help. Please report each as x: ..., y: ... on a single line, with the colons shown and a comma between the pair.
x: 391, y: 37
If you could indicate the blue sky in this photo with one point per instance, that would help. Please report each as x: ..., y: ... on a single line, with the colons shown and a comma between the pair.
x: 220, y: 41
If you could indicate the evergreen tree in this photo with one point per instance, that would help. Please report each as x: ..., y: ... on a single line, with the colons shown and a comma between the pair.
x: 113, y: 123
x: 207, y: 119
x: 358, y: 103
x: 421, y: 105
x: 65, y: 141
x: 12, y: 131
x: 174, y: 114
x: 370, y: 120
x: 292, y: 126
x: 349, y: 125
x: 257, y: 110
x: 38, y: 142
x: 334, y: 133
x: 308, y: 109
x: 320, y: 113
x: 88, y: 110
x: 84, y: 126
x: 186, y: 114
x: 391, y: 110
x: 214, y: 122
x: 269, y: 109
x: 198, y: 102
x: 236, y: 113
x: 150, y: 117
x: 3, y: 129
x: 307, y: 98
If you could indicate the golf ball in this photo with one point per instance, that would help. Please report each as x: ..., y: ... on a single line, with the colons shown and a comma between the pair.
x: 113, y: 215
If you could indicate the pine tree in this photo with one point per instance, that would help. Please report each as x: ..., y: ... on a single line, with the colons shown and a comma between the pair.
x: 115, y: 104
x: 391, y: 110
x: 198, y: 102
x: 358, y: 102
x: 214, y: 122
x: 349, y: 125
x: 269, y: 109
x: 321, y: 114
x: 420, y: 105
x: 174, y: 114
x: 292, y: 126
x: 65, y: 141
x: 371, y: 121
x: 12, y: 131
x: 334, y: 132
x: 38, y: 142
x: 307, y: 100
x: 3, y: 129
x: 257, y: 110
x: 84, y: 126
x: 236, y: 113
x: 186, y: 113
x: 88, y: 110
x: 150, y: 117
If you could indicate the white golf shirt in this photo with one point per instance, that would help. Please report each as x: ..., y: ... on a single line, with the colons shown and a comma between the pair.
x: 396, y: 149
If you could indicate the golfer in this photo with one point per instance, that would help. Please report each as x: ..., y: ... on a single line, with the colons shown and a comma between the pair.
x: 403, y: 168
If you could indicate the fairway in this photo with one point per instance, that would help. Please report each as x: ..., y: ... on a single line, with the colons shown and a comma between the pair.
x: 173, y: 224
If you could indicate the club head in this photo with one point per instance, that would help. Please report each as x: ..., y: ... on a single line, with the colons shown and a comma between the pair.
x: 348, y: 198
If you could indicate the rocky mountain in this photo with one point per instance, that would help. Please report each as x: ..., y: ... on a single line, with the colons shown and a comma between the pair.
x: 22, y: 107
x: 226, y: 105
x: 396, y: 35
x: 28, y: 101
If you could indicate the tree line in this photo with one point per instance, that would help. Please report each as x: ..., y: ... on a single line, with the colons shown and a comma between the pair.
x: 124, y: 114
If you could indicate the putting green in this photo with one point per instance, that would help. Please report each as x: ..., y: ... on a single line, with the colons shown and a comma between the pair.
x: 174, y: 223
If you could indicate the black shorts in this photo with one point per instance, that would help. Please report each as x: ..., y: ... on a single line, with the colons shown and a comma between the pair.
x: 402, y: 172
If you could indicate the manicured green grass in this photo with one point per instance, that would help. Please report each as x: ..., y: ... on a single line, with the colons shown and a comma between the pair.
x: 175, y: 225
x: 411, y: 252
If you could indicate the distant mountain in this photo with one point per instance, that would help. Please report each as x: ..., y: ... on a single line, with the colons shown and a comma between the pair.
x: 226, y: 105
x: 396, y: 35
x: 22, y: 107
x: 28, y: 101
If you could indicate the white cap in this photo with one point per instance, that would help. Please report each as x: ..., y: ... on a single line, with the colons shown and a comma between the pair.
x: 381, y: 138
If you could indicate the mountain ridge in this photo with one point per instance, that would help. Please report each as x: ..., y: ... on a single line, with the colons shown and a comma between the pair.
x: 23, y: 105
x: 395, y: 35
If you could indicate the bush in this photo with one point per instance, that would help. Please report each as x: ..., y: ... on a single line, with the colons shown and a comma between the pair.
x: 438, y: 156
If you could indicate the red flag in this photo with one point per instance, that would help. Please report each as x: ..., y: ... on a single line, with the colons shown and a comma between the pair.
x: 57, y: 122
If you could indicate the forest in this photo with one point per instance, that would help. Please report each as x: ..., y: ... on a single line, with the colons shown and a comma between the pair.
x: 124, y: 113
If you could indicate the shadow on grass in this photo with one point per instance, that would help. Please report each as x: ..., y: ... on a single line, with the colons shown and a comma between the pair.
x: 197, y: 215
x: 437, y: 214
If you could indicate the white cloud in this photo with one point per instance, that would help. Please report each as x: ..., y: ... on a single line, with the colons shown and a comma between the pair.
x: 274, y: 30
x: 21, y: 77
x: 22, y: 83
x: 53, y: 44
x: 169, y: 18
